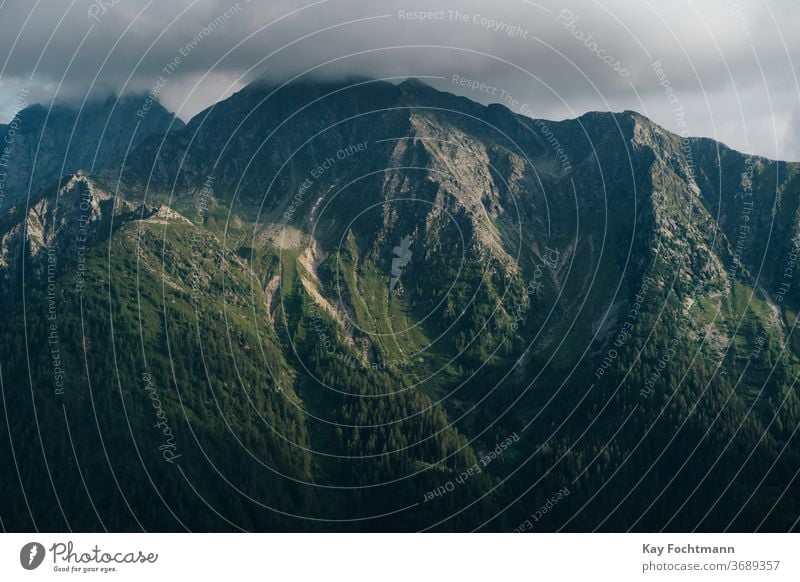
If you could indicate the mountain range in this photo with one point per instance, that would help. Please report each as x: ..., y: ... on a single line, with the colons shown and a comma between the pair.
x: 363, y: 306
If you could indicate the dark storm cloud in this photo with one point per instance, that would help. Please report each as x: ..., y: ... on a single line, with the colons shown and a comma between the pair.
x: 726, y: 67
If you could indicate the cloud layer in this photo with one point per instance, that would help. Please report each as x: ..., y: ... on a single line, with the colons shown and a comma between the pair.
x: 724, y: 69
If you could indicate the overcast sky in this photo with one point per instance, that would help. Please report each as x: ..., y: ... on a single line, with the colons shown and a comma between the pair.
x: 727, y: 67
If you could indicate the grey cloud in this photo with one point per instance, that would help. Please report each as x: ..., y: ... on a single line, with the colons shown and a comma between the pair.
x: 730, y: 64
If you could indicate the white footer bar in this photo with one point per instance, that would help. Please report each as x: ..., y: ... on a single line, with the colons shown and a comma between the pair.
x: 400, y: 557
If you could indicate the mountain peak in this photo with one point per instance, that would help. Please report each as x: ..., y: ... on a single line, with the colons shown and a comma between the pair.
x: 62, y: 138
x: 416, y: 84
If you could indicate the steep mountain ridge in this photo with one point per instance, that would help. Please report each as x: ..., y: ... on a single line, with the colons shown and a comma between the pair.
x: 347, y: 297
x: 44, y: 143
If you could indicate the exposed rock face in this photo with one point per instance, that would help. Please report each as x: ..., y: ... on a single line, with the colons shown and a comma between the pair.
x: 56, y: 226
